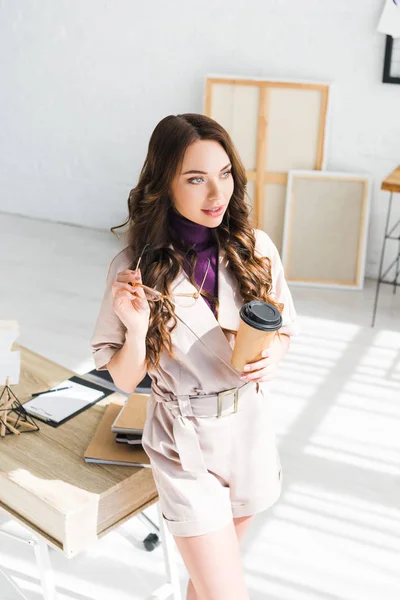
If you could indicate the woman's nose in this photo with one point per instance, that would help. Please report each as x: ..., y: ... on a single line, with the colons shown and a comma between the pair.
x: 215, y: 190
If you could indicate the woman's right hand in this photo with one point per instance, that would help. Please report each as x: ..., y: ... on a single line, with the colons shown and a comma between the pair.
x: 130, y: 303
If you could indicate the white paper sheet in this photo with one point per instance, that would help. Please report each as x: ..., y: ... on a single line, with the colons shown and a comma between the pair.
x: 56, y: 406
x: 9, y: 331
x: 10, y: 366
x: 9, y: 361
x: 389, y: 22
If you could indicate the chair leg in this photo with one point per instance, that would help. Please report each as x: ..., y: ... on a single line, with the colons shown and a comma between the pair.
x: 396, y: 279
x: 381, y: 261
x: 171, y: 589
x: 146, y: 520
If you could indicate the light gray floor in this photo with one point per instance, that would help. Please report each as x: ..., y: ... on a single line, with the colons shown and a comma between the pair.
x: 335, y: 533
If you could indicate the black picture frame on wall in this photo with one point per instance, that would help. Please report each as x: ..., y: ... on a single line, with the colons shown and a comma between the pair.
x: 389, y: 60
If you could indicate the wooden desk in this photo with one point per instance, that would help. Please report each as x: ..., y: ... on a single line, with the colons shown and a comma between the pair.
x: 46, y: 484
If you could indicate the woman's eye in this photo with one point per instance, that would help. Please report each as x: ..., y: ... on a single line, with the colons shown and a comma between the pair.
x: 198, y: 180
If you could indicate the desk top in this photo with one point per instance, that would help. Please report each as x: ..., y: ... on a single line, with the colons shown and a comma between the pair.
x: 45, y: 482
x: 392, y: 181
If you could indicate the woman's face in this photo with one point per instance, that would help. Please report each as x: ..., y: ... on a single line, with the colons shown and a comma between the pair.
x: 204, y: 182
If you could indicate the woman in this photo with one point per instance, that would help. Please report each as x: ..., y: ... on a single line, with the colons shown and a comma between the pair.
x: 191, y: 245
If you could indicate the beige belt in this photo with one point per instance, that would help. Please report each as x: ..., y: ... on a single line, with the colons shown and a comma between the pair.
x: 207, y: 405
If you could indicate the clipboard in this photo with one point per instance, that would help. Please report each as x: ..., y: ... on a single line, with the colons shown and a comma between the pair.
x: 57, y: 407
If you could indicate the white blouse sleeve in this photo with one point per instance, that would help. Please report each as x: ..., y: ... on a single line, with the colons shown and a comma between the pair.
x: 280, y: 288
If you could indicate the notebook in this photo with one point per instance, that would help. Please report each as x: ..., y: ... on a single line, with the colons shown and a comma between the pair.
x: 129, y: 438
x: 132, y: 416
x: 103, y: 448
x: 56, y: 408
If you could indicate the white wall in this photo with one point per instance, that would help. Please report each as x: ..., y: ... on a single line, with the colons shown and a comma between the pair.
x: 84, y: 82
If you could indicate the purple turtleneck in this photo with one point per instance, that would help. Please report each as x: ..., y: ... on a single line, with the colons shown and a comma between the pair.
x: 187, y: 233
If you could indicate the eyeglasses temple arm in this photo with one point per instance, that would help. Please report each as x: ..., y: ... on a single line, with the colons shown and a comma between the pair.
x: 140, y: 257
x: 204, y: 278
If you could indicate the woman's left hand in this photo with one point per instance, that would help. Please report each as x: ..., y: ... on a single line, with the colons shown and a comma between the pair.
x: 266, y: 368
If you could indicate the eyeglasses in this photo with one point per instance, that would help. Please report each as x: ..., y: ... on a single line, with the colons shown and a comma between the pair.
x: 182, y: 299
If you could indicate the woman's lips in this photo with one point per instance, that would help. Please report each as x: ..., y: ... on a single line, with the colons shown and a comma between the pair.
x: 214, y: 213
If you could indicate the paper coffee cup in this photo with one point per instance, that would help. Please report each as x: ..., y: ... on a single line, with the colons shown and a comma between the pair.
x: 259, y: 322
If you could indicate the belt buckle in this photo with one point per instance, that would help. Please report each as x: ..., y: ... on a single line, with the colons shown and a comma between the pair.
x: 235, y: 402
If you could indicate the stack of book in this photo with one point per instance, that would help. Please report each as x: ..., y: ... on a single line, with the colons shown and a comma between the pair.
x: 117, y: 440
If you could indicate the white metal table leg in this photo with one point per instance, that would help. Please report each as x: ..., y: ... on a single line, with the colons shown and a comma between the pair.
x: 171, y: 589
x: 13, y: 585
x: 46, y: 573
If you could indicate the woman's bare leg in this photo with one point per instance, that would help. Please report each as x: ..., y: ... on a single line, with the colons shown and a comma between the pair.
x: 241, y: 524
x: 191, y: 592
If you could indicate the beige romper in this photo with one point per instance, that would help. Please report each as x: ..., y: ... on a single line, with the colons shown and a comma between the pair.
x: 206, y: 469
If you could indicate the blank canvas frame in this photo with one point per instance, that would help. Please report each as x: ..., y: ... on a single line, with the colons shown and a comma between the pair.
x: 276, y: 126
x: 325, y: 233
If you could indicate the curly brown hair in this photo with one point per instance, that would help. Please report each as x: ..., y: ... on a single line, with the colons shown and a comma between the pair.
x: 149, y: 206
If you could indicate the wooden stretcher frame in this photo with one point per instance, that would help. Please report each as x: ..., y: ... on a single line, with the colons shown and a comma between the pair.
x: 290, y: 249
x: 259, y: 177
